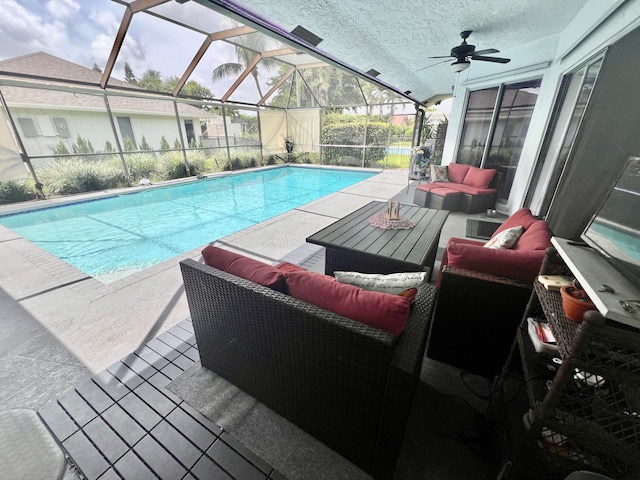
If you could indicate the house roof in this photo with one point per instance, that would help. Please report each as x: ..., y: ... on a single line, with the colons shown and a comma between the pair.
x: 42, y: 64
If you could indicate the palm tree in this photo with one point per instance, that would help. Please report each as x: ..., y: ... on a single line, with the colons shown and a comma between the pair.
x: 245, y: 53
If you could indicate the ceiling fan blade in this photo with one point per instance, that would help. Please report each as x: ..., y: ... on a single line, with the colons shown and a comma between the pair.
x: 490, y: 59
x: 485, y: 51
x: 433, y: 64
x: 443, y: 56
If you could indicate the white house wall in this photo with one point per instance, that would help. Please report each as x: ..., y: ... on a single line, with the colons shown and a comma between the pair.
x: 11, y: 166
x: 598, y: 25
x: 96, y: 128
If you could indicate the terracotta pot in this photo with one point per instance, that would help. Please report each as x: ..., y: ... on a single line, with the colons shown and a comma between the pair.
x: 575, y: 302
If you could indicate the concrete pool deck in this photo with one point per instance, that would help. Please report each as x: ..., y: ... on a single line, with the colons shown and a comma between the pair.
x: 60, y: 326
x: 67, y: 339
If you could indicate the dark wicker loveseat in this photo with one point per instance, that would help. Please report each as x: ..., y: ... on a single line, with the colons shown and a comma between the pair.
x: 349, y: 385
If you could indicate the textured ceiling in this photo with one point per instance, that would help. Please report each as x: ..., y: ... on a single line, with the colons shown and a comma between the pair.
x: 396, y: 38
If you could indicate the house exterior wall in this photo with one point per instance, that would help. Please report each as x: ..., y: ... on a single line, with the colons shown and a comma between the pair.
x: 598, y: 25
x: 11, y: 167
x: 95, y: 127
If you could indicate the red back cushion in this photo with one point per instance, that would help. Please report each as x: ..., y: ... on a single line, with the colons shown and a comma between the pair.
x: 536, y: 237
x: 517, y: 264
x: 522, y: 217
x: 457, y: 172
x: 380, y: 310
x: 479, y: 177
x: 245, y: 267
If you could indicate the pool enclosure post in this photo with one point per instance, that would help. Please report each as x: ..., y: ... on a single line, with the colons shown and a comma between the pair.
x: 23, y: 151
x: 226, y: 136
x: 117, y: 140
x: 184, y: 150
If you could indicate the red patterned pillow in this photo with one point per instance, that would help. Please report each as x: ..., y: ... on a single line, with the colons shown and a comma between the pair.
x: 245, y: 267
x: 380, y: 310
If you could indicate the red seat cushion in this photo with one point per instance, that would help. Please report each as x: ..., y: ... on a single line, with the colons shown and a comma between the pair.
x: 380, y: 310
x: 456, y: 172
x: 479, y: 177
x: 245, y: 267
x: 444, y: 192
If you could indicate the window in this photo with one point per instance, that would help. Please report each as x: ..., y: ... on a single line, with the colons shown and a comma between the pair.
x: 28, y: 127
x: 61, y: 127
x: 126, y: 130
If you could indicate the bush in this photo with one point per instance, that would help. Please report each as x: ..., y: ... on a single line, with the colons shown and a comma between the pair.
x: 172, y: 165
x: 141, y: 165
x: 16, y: 191
x: 353, y: 133
x: 66, y: 176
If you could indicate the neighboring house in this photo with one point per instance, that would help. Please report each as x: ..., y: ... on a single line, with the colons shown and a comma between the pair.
x: 46, y: 117
x: 213, y: 134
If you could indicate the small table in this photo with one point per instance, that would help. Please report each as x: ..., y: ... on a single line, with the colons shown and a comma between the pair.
x: 481, y: 229
x: 353, y: 244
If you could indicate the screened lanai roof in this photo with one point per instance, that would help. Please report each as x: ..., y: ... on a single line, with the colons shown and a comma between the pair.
x: 185, y: 49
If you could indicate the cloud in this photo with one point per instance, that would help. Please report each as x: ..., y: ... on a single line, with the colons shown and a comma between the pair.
x: 63, y: 9
x: 23, y: 31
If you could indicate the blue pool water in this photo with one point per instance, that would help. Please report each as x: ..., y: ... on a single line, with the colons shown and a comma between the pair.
x: 113, y: 237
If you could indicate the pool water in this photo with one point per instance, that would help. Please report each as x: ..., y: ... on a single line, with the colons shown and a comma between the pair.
x: 114, y: 237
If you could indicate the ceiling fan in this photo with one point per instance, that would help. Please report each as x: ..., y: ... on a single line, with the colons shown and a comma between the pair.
x: 465, y: 52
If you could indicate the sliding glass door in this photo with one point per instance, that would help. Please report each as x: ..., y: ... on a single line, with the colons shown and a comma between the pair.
x: 495, y: 127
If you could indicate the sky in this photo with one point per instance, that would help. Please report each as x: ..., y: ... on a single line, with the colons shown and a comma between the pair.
x: 83, y: 32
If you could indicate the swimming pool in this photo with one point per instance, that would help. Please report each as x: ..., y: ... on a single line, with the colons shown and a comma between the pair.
x: 113, y: 237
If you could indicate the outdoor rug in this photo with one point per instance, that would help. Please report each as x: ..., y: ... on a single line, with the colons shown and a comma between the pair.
x: 433, y: 448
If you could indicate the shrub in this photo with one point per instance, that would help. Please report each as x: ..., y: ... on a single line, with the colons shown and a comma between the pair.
x: 172, y: 166
x: 142, y: 165
x: 16, y: 191
x: 65, y: 176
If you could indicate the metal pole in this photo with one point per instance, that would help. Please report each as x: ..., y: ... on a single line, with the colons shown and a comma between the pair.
x: 23, y: 152
x: 226, y: 137
x: 184, y: 152
x: 117, y: 140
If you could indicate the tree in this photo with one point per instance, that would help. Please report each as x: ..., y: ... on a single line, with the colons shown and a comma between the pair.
x: 129, y: 77
x: 82, y: 145
x: 108, y: 147
x: 144, y: 145
x: 128, y: 144
x: 96, y: 68
x: 151, y: 80
x: 245, y: 54
x: 61, y: 149
x: 164, y: 144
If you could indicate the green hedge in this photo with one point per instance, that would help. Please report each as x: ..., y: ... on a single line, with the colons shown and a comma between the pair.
x: 353, y: 133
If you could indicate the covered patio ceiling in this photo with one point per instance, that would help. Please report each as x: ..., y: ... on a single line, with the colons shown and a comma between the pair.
x: 396, y: 39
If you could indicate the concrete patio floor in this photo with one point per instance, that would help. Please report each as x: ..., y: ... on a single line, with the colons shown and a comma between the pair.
x: 60, y: 327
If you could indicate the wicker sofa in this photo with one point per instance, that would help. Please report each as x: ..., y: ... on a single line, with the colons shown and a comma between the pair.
x: 347, y: 384
x: 465, y: 188
x: 482, y: 294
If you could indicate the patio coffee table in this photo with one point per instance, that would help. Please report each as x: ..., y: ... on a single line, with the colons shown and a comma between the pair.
x: 353, y: 244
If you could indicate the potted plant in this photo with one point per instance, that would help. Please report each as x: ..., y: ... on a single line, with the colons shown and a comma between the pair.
x: 575, y: 302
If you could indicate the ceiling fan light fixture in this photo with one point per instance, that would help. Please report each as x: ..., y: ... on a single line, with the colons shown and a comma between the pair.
x: 459, y: 66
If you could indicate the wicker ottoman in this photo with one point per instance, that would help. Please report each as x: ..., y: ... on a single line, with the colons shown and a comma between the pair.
x: 444, y: 199
x: 421, y: 197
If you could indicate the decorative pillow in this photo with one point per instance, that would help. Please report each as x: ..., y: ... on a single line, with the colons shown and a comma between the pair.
x: 245, y: 267
x: 506, y: 238
x: 380, y: 310
x: 394, y: 283
x: 479, y: 177
x: 439, y: 173
x: 457, y: 171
